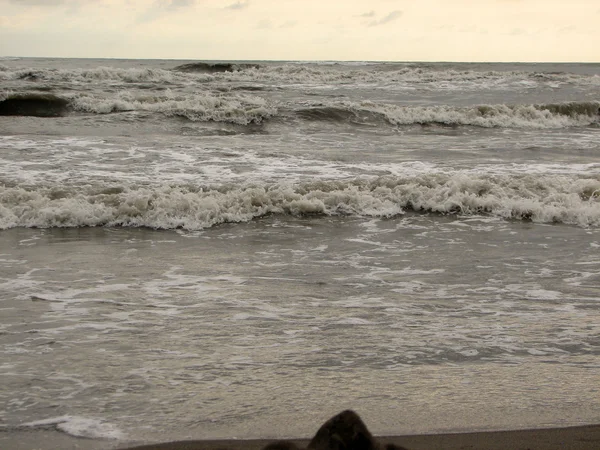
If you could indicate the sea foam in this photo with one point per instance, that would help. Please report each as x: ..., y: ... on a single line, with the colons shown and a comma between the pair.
x: 79, y: 426
x: 540, y: 198
x: 234, y: 108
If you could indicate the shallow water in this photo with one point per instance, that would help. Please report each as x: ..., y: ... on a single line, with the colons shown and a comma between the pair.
x: 421, y: 324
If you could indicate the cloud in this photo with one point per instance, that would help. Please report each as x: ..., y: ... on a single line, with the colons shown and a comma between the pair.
x: 264, y: 24
x: 70, y: 7
x: 37, y: 2
x: 368, y: 14
x: 161, y: 8
x: 73, y: 4
x: 568, y: 29
x: 394, y: 15
x: 289, y: 24
x: 239, y: 5
x: 175, y: 4
x: 468, y: 29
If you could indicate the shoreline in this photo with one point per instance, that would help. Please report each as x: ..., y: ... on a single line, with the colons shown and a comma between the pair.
x: 584, y: 437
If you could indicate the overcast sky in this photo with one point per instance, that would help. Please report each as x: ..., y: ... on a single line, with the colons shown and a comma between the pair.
x: 400, y: 30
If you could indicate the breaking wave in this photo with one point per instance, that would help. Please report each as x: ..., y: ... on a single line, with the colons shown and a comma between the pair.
x: 539, y: 198
x: 32, y: 104
x: 243, y: 109
x: 240, y: 109
x: 489, y: 116
x: 235, y: 108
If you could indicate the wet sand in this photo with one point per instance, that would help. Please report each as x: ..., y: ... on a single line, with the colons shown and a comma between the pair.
x: 571, y: 438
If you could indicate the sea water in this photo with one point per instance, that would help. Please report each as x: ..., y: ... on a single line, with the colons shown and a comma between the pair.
x: 197, y: 250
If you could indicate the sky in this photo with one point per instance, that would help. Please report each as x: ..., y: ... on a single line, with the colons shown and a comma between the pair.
x: 377, y: 30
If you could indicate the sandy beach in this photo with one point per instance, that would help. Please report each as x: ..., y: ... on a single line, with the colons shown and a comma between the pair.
x: 570, y: 438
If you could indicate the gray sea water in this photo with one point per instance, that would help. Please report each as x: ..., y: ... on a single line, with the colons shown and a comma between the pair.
x: 191, y: 250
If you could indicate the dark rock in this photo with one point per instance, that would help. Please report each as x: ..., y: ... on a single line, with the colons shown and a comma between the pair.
x: 346, y: 431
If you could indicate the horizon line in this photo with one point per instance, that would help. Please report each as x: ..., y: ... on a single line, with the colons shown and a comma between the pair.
x: 310, y: 60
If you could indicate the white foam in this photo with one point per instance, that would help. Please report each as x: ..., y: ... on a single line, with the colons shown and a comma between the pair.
x: 234, y: 108
x: 542, y: 198
x: 543, y: 294
x: 81, y: 427
x: 578, y: 278
x: 354, y: 321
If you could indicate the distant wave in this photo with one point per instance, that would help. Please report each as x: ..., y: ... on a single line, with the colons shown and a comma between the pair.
x: 409, y: 77
x: 540, y: 198
x: 405, y: 77
x: 94, y: 75
x: 186, y: 73
x: 214, y: 67
x: 559, y: 115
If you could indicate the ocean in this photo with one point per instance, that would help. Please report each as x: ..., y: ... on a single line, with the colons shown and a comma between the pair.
x: 243, y: 249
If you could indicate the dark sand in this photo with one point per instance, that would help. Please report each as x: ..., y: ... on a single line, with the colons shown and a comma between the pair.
x: 571, y: 438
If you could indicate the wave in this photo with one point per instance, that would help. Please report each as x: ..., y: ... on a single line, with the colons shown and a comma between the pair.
x: 233, y: 108
x: 214, y: 67
x: 184, y: 74
x: 559, y: 115
x: 95, y: 75
x: 32, y: 104
x: 540, y: 198
x: 333, y: 114
x: 244, y: 109
x: 408, y: 77
x: 240, y: 109
x: 403, y: 77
